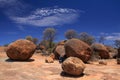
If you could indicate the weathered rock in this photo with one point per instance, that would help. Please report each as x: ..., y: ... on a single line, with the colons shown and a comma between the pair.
x: 118, y: 60
x: 38, y: 51
x: 73, y: 66
x: 101, y: 50
x: 94, y: 57
x: 112, y: 51
x: 102, y: 62
x: 52, y: 55
x: 62, y: 42
x: 59, y: 50
x: 20, y: 50
x: 118, y: 52
x: 78, y: 48
x: 41, y: 47
x: 49, y: 60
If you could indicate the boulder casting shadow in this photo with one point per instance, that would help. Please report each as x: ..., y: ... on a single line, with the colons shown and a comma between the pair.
x: 64, y: 74
x: 10, y: 60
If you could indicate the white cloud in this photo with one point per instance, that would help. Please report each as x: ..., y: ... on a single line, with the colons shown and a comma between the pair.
x: 113, y: 36
x: 104, y: 34
x: 49, y: 17
x: 15, y: 10
x: 116, y: 34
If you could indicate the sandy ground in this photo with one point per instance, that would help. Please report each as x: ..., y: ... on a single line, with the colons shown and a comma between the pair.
x: 37, y: 69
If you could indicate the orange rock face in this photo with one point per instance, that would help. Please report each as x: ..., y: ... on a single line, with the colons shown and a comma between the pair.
x: 20, y: 50
x: 78, y: 48
x: 73, y: 66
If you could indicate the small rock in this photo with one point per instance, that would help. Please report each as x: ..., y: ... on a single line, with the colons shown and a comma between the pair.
x: 52, y: 55
x: 49, y: 60
x: 118, y: 60
x: 102, y: 62
x: 38, y: 51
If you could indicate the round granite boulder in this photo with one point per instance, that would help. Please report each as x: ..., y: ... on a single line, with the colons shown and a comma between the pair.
x: 78, y: 48
x: 21, y: 50
x: 73, y: 66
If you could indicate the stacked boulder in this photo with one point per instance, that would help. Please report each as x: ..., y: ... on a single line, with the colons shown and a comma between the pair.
x: 20, y: 50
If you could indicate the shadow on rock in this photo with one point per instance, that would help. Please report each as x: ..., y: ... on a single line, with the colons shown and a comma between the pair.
x: 10, y: 60
x: 64, y: 74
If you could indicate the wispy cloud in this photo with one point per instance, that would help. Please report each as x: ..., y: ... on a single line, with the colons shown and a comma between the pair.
x: 103, y: 34
x: 112, y: 36
x: 49, y: 17
x: 40, y: 17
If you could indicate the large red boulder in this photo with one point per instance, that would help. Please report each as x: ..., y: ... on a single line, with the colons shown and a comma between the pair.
x: 78, y: 48
x: 73, y: 66
x: 59, y: 50
x: 101, y: 50
x: 21, y: 50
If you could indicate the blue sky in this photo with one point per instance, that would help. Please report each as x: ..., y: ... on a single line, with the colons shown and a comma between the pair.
x: 20, y: 18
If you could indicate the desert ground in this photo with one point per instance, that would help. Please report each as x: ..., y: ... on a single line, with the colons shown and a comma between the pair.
x: 37, y: 69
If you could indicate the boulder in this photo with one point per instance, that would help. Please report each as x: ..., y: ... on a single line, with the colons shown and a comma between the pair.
x: 112, y: 51
x: 52, y: 55
x: 59, y: 50
x: 73, y: 66
x: 38, y: 51
x: 118, y: 60
x: 102, y: 62
x: 20, y: 50
x: 101, y: 50
x: 41, y: 47
x: 62, y: 42
x: 78, y: 48
x: 49, y: 60
x: 118, y: 52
